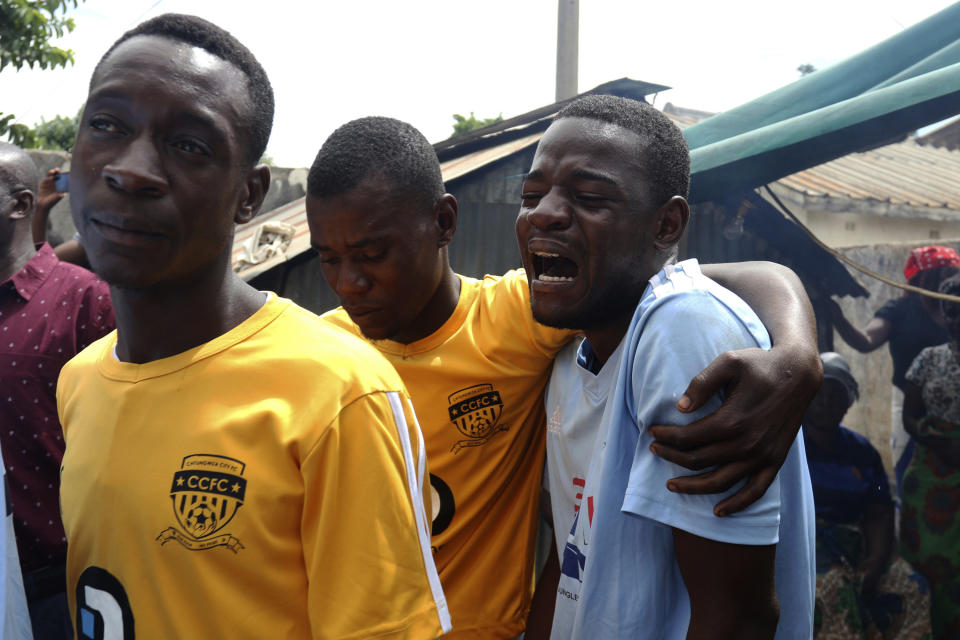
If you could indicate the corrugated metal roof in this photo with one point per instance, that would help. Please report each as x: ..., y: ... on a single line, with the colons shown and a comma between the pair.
x: 457, y: 167
x: 946, y: 136
x: 904, y: 173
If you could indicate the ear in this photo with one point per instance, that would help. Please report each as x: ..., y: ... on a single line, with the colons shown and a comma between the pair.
x: 23, y: 203
x: 445, y: 213
x: 672, y: 219
x: 256, y: 185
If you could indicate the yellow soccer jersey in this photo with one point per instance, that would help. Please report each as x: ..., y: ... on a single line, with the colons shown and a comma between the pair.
x: 477, y: 386
x: 266, y: 484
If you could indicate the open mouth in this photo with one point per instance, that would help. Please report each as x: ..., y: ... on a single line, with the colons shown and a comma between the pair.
x: 552, y: 267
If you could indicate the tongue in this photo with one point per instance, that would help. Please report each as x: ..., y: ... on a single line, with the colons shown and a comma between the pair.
x: 560, y: 268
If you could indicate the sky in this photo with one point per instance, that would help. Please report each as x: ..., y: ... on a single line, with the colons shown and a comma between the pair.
x: 424, y: 60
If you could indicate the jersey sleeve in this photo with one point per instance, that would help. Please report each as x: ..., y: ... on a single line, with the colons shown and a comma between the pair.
x: 889, y: 311
x: 365, y: 534
x: 681, y: 336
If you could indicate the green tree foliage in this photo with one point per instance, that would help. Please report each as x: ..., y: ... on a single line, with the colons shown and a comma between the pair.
x: 806, y: 69
x: 58, y: 134
x: 26, y: 28
x: 462, y: 125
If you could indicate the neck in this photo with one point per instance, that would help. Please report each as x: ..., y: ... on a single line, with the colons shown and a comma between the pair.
x: 604, y: 340
x: 825, y: 438
x: 17, y: 255
x: 437, y: 310
x: 159, y: 322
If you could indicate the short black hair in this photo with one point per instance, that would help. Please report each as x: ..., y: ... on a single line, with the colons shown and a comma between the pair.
x: 665, y: 156
x: 200, y: 33
x: 375, y: 145
x: 18, y: 172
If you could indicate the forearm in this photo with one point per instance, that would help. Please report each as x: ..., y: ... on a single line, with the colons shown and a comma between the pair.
x: 39, y: 223
x: 540, y: 619
x: 731, y: 587
x: 853, y: 336
x: 760, y: 623
x: 878, y: 532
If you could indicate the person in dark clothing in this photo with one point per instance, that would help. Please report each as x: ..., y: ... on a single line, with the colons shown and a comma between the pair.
x: 909, y: 324
x: 863, y: 589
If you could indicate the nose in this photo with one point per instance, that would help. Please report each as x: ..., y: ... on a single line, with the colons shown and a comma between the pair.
x: 551, y: 212
x: 351, y: 280
x: 137, y: 169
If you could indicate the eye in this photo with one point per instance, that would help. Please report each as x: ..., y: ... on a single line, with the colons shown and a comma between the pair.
x: 529, y: 198
x: 192, y: 147
x: 374, y: 256
x: 590, y: 199
x: 104, y: 124
x: 322, y: 257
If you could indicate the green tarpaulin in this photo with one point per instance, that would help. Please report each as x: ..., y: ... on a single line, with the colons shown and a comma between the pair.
x: 907, y: 81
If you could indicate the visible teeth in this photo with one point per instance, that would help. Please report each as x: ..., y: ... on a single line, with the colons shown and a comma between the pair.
x: 544, y: 277
x: 544, y: 254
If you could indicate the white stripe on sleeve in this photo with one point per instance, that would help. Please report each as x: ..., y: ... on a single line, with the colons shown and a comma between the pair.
x: 414, y: 483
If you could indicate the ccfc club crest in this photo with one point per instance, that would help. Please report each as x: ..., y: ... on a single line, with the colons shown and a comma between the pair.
x: 206, y: 493
x: 476, y: 412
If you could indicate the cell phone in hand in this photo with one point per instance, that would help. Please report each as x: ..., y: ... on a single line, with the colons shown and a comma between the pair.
x: 61, y: 182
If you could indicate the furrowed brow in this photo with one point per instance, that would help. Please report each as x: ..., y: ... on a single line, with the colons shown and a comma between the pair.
x: 350, y: 245
x: 585, y: 174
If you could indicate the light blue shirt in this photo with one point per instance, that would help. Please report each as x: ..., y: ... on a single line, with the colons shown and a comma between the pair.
x: 14, y: 619
x: 620, y: 578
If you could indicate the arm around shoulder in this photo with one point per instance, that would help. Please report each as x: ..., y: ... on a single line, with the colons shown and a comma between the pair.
x: 767, y: 392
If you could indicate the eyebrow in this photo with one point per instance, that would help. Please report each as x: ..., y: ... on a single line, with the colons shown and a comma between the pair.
x: 350, y: 245
x: 586, y: 174
x: 580, y: 174
x: 198, y: 118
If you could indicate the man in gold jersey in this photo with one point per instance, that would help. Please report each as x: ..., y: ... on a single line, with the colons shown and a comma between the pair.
x: 234, y: 467
x: 476, y: 363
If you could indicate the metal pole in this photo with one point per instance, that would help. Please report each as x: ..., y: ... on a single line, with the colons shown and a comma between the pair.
x: 568, y: 34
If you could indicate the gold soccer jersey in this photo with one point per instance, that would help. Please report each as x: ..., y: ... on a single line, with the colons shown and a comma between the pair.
x: 267, y: 484
x: 477, y: 385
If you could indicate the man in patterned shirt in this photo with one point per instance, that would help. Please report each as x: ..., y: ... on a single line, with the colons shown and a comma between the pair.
x: 49, y: 311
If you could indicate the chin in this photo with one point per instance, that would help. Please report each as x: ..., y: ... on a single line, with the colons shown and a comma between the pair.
x: 558, y: 319
x: 122, y: 275
x: 377, y: 333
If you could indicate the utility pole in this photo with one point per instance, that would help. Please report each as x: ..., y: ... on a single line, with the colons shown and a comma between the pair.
x: 568, y: 35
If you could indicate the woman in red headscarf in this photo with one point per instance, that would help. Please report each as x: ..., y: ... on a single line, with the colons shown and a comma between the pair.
x: 930, y: 522
x: 909, y: 323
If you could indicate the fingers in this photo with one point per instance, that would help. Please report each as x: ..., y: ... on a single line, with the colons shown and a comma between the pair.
x: 756, y: 486
x: 722, y: 371
x: 701, y: 457
x: 715, y: 481
x: 716, y: 427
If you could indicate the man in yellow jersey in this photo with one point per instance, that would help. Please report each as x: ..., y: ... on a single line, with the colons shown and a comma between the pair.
x: 234, y: 468
x: 476, y: 364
